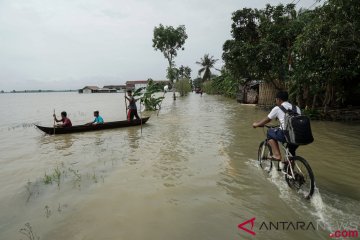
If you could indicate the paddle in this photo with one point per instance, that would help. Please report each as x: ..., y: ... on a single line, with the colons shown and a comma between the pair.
x: 54, y: 121
x: 140, y: 117
x: 126, y: 109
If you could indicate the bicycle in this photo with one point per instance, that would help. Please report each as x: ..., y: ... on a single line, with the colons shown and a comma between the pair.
x: 297, y: 171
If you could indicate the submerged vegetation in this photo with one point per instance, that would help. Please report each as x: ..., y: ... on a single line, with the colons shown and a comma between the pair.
x: 28, y: 232
x: 183, y: 86
x: 183, y: 80
x: 55, y: 177
x: 147, y: 95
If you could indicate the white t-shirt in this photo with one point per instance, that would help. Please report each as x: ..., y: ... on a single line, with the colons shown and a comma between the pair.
x: 276, y: 112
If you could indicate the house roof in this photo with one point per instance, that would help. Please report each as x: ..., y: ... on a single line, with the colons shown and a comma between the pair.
x: 136, y: 82
x: 91, y: 87
x: 114, y: 86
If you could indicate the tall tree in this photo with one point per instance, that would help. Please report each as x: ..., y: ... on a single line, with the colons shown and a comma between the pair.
x: 328, y: 54
x: 169, y: 40
x: 239, y: 53
x: 184, y: 72
x: 206, y: 63
x: 262, y: 43
x: 315, y: 54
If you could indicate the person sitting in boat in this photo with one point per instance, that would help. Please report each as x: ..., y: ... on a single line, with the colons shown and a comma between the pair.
x: 132, y: 112
x: 98, y: 119
x: 64, y: 119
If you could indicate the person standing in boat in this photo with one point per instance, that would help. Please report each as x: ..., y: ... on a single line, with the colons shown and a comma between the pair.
x: 98, y: 119
x: 132, y: 109
x: 64, y: 119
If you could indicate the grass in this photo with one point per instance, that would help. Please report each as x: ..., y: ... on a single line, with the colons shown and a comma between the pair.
x: 29, y: 191
x: 47, y: 211
x: 77, y: 176
x: 48, y: 179
x: 94, y: 178
x: 28, y: 232
x: 55, y: 177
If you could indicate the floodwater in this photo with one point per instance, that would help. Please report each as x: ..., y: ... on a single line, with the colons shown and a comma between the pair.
x: 190, y: 174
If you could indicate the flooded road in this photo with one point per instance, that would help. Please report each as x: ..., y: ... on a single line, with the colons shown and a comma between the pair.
x: 191, y: 174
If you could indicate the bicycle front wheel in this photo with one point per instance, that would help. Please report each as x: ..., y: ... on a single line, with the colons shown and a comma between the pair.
x: 264, y: 156
x: 300, y: 177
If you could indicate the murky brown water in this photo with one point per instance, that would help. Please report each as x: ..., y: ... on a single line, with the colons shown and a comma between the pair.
x: 192, y: 174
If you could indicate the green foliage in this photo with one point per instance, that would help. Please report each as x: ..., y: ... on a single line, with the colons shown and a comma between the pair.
x: 169, y: 40
x: 150, y: 101
x: 172, y: 74
x: 206, y: 63
x: 55, y: 177
x: 48, y: 179
x: 224, y: 84
x: 197, y: 82
x: 184, y: 72
x: 328, y: 53
x: 147, y: 97
x: 315, y: 54
x: 179, y: 73
x: 209, y: 88
x: 312, y: 113
x: 138, y: 92
x: 183, y: 86
x: 262, y: 42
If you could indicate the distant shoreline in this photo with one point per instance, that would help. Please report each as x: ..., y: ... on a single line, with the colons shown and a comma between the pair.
x: 38, y: 91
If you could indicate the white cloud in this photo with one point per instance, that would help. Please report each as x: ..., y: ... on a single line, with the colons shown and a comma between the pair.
x: 69, y: 43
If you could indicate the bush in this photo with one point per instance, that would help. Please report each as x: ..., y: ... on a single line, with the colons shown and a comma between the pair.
x: 209, y: 88
x: 183, y: 86
x: 148, y: 98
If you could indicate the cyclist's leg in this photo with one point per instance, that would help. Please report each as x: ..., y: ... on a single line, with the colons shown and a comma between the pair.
x: 274, y: 135
x: 275, y: 148
x: 292, y: 149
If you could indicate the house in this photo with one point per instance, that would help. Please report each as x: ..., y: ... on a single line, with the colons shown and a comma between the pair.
x: 249, y: 92
x: 106, y: 90
x: 133, y: 85
x: 96, y: 89
x: 117, y: 87
x: 89, y: 89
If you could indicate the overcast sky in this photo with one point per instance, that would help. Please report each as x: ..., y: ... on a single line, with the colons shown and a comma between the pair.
x: 66, y: 44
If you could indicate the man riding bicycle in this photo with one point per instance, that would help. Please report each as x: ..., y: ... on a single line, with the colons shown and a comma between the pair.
x: 276, y: 134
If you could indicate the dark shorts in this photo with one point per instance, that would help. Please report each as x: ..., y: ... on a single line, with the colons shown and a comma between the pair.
x: 276, y: 134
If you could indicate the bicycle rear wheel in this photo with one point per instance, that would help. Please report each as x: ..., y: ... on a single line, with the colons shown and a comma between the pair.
x: 303, y: 180
x: 264, y: 156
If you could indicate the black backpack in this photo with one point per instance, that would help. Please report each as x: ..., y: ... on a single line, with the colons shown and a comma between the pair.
x: 297, y: 127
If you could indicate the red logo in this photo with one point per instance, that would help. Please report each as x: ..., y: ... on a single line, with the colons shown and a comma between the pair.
x: 252, y: 222
x: 350, y: 233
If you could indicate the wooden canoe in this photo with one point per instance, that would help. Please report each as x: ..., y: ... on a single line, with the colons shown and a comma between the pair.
x: 87, y: 128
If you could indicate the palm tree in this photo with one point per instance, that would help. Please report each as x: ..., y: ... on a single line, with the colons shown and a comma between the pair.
x: 207, y: 63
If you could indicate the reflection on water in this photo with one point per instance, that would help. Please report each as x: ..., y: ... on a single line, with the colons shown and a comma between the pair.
x: 58, y: 142
x: 191, y: 174
x: 133, y: 135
